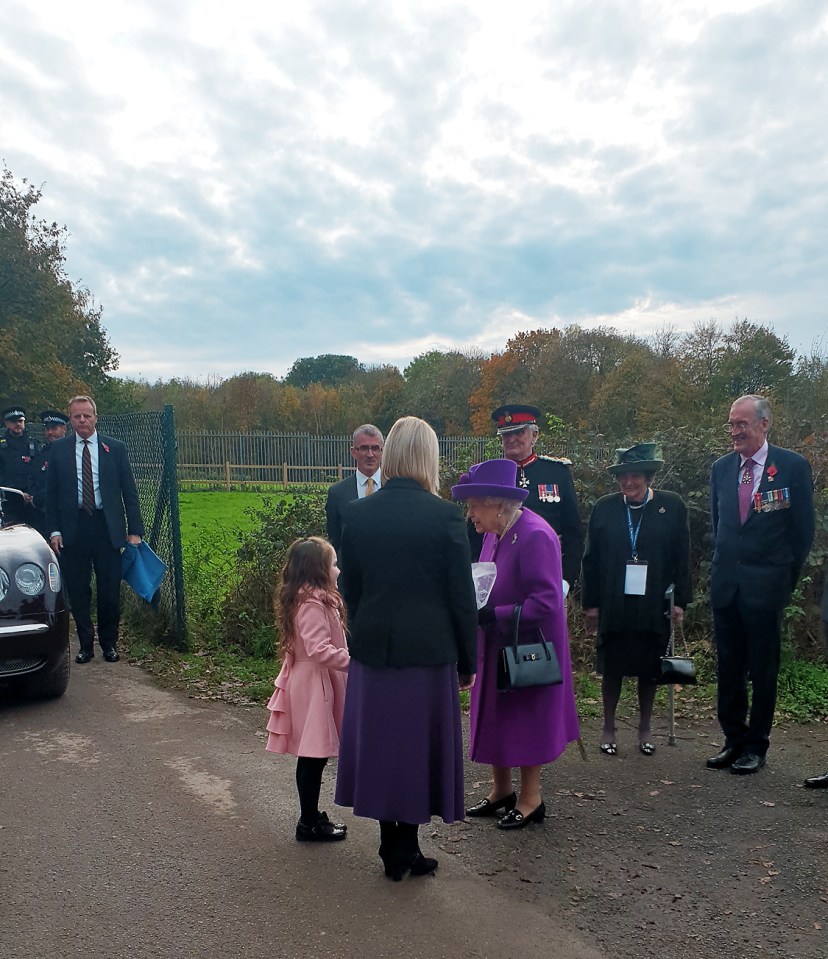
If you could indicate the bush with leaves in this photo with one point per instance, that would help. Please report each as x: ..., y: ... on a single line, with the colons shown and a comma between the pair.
x: 247, y: 620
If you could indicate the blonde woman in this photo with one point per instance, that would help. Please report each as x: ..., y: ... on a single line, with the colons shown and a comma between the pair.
x: 406, y: 579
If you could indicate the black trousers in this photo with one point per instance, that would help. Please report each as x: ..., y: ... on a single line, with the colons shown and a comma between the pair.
x: 747, y: 645
x: 91, y: 549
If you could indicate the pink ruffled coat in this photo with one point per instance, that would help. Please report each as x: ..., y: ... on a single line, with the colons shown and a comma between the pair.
x: 307, y: 705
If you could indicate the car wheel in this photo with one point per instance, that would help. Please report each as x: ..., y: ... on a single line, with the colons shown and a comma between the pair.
x: 51, y: 684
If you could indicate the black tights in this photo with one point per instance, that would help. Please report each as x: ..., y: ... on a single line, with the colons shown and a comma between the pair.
x: 309, y: 782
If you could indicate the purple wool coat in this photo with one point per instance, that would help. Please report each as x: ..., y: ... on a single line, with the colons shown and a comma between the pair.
x: 527, y: 727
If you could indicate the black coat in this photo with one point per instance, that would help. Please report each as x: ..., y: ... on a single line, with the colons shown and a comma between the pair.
x: 663, y: 541
x: 406, y: 580
x: 764, y: 557
x: 118, y: 491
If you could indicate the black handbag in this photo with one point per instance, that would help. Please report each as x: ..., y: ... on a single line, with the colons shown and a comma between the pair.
x: 528, y: 661
x: 676, y: 670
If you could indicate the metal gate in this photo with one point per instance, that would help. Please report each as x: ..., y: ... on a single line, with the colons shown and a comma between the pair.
x: 150, y: 441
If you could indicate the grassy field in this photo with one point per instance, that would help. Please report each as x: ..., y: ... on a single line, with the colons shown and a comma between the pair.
x: 216, y: 515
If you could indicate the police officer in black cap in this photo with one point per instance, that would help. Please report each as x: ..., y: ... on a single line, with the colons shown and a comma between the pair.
x: 16, y: 449
x: 548, y: 480
x: 54, y: 428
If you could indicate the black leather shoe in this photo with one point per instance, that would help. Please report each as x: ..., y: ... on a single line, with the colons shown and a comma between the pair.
x: 497, y: 808
x: 516, y: 820
x: 817, y: 782
x: 748, y: 763
x: 422, y: 865
x: 84, y: 657
x: 110, y: 656
x: 724, y: 759
x: 323, y: 816
x: 321, y: 831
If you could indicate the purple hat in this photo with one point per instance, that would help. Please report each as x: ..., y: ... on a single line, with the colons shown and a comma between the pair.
x: 492, y: 478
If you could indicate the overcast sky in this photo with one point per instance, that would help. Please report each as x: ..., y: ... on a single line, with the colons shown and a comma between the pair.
x: 249, y: 182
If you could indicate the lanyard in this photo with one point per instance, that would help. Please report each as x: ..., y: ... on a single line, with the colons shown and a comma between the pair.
x: 634, y: 533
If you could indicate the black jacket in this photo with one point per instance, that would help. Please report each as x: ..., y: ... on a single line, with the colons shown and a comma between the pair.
x: 406, y: 580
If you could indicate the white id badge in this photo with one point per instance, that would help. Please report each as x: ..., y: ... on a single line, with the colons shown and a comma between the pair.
x: 635, y: 583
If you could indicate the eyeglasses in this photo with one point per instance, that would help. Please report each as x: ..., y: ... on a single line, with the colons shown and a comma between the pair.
x: 368, y: 449
x: 740, y: 426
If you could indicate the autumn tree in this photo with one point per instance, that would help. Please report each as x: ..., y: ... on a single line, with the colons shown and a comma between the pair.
x: 51, y: 338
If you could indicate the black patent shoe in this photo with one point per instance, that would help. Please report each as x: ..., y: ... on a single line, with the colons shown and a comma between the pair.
x: 487, y: 808
x: 110, y: 656
x: 724, y: 759
x: 321, y: 831
x: 747, y: 764
x: 337, y: 825
x: 817, y: 782
x: 84, y: 656
x: 516, y: 820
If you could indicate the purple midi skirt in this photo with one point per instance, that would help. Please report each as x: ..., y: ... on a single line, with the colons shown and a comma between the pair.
x: 401, y: 748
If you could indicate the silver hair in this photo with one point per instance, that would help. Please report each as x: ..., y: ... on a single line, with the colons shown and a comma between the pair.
x: 367, y: 429
x: 761, y: 405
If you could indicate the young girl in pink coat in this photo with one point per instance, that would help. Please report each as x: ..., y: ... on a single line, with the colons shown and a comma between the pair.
x: 306, y: 707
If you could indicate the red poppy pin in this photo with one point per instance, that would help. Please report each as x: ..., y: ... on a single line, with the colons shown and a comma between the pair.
x: 771, y: 471
x: 106, y: 448
x: 26, y: 459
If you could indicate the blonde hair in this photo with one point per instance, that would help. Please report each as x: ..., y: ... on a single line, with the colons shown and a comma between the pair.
x: 412, y: 451
x: 84, y: 399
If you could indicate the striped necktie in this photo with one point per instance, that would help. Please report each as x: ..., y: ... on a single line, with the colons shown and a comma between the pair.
x: 87, y: 482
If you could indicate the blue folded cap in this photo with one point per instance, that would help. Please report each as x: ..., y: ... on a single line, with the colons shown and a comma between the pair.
x: 142, y: 570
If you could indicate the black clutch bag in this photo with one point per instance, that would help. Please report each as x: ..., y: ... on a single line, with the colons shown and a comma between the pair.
x: 528, y: 661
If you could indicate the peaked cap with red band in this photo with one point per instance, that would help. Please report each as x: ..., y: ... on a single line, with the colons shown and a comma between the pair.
x: 515, y: 416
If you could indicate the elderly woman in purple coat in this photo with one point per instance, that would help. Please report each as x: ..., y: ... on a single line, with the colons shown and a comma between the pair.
x: 527, y: 727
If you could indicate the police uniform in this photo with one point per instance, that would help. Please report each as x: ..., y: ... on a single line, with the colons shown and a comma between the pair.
x: 16, y: 452
x: 37, y: 472
x: 548, y: 480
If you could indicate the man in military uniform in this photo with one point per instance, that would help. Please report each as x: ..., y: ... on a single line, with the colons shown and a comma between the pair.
x: 54, y: 428
x: 16, y: 451
x: 548, y: 479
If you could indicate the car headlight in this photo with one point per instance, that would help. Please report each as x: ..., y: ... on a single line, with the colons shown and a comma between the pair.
x: 30, y: 579
x: 4, y: 585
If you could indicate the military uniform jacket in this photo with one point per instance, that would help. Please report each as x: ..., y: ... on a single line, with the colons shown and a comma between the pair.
x: 552, y: 496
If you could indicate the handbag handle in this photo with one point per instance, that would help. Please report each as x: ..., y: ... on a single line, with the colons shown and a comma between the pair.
x: 516, y: 627
x: 669, y: 595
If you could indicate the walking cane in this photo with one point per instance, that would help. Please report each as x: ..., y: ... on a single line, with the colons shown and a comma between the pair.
x: 670, y: 596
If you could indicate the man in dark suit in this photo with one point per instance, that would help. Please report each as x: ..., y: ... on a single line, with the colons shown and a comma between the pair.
x: 89, y: 489
x: 366, y: 451
x: 762, y: 509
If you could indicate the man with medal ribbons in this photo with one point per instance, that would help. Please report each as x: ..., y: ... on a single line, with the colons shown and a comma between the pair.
x: 762, y: 509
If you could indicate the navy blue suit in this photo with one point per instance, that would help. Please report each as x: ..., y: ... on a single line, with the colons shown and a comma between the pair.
x: 755, y: 568
x: 93, y: 541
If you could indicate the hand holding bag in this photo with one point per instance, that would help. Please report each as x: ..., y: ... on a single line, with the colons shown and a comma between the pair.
x: 528, y: 661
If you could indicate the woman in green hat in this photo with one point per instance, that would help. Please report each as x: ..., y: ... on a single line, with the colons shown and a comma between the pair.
x: 638, y: 544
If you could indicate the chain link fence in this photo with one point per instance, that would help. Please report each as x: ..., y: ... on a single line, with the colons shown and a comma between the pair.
x: 151, y: 444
